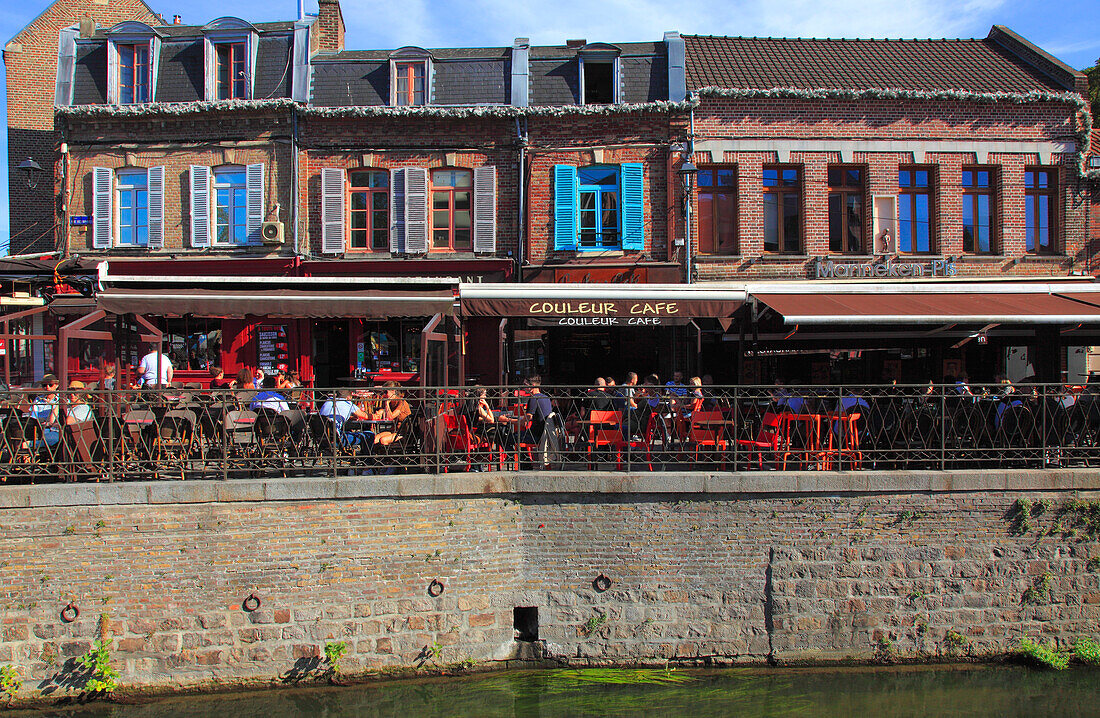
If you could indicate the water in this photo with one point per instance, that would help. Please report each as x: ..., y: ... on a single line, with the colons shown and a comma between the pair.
x: 1001, y: 692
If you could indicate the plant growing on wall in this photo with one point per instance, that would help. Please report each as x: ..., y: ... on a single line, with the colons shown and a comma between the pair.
x: 102, y: 678
x: 10, y: 683
x: 1087, y: 651
x: 1034, y: 653
x: 334, y: 651
x: 593, y: 624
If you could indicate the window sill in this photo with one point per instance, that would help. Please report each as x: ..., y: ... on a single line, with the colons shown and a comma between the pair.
x: 780, y: 257
x: 590, y: 253
x: 708, y: 258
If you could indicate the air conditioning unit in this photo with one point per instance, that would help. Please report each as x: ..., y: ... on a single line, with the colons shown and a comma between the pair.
x: 272, y: 232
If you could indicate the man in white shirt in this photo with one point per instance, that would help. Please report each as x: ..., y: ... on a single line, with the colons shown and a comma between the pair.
x: 147, y: 367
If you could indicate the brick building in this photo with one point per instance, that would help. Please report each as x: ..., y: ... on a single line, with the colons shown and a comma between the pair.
x: 274, y: 159
x: 30, y: 61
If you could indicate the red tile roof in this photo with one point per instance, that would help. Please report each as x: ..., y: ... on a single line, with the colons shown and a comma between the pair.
x: 930, y: 65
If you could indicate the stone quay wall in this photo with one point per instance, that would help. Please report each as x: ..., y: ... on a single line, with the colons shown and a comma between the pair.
x: 711, y: 568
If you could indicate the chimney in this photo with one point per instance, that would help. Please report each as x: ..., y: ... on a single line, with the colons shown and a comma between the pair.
x: 87, y: 27
x: 576, y: 43
x: 330, y: 26
x: 177, y: 20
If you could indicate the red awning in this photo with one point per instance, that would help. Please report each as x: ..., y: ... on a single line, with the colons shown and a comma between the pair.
x: 278, y: 303
x: 930, y: 308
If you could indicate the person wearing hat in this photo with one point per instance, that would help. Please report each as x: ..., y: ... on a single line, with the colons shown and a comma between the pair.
x: 78, y: 410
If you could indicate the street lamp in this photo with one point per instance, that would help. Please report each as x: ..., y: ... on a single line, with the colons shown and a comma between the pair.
x: 687, y: 172
x: 32, y: 170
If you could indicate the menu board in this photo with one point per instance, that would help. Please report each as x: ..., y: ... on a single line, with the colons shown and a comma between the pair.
x: 273, y: 350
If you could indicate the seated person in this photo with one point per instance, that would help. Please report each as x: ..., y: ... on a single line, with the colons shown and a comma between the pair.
x: 597, y: 398
x: 243, y: 380
x: 45, y: 409
x: 341, y: 410
x: 785, y: 401
x: 282, y: 380
x: 393, y: 409
x: 78, y: 411
x: 268, y: 398
x: 218, y: 380
x: 497, y: 426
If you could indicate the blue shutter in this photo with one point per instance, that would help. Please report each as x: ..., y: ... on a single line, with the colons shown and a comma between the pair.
x: 565, y: 207
x: 632, y: 188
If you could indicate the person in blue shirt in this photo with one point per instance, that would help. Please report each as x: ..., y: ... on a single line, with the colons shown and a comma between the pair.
x: 341, y: 409
x: 45, y: 409
x: 785, y: 401
x: 268, y: 398
x: 538, y: 410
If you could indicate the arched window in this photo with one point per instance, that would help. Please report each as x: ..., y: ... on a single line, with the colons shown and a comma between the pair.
x: 230, y: 205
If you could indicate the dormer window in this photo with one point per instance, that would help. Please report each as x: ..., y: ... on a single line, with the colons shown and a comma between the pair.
x: 598, y: 65
x: 134, y: 76
x: 230, y: 74
x: 409, y: 83
x: 229, y: 49
x: 133, y: 52
x: 410, y: 77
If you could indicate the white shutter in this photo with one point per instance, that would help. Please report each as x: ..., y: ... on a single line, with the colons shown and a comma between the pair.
x: 332, y: 210
x: 156, y: 208
x: 416, y: 210
x: 485, y: 209
x: 397, y: 211
x: 200, y: 206
x: 103, y: 181
x: 112, y: 73
x: 254, y: 186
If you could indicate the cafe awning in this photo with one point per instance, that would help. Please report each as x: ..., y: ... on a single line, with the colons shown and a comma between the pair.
x: 277, y: 303
x: 971, y: 307
x: 619, y: 304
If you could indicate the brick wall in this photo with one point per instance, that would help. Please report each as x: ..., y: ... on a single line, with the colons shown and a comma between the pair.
x: 911, y: 122
x: 390, y: 143
x: 723, y: 577
x: 210, y: 142
x: 30, y: 61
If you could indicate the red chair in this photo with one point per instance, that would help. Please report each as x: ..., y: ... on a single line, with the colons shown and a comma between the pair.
x: 458, y: 439
x: 707, y: 430
x: 766, y: 439
x: 605, y: 429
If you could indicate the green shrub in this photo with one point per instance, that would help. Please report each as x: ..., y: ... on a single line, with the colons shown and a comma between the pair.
x: 334, y: 651
x: 955, y: 641
x: 1040, y: 656
x: 1087, y: 651
x: 103, y: 679
x: 9, y: 682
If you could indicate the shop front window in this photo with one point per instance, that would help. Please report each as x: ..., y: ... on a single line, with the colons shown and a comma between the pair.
x: 390, y: 346
x: 194, y: 343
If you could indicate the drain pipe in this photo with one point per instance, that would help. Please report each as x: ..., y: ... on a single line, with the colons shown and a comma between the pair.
x: 521, y: 188
x: 687, y: 191
x: 294, y: 178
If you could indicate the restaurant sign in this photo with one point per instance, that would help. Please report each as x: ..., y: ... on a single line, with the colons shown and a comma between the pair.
x: 601, y: 312
x: 884, y: 269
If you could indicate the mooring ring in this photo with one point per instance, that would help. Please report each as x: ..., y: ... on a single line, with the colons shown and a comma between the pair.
x: 435, y: 588
x: 251, y: 602
x: 70, y: 613
x: 601, y: 583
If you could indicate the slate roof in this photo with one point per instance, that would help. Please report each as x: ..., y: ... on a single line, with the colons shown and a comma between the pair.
x: 169, y: 31
x: 929, y: 65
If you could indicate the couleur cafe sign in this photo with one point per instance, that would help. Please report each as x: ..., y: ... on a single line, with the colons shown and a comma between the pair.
x: 604, y: 314
x: 884, y: 269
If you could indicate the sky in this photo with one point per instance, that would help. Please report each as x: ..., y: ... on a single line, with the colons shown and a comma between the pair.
x: 1069, y: 29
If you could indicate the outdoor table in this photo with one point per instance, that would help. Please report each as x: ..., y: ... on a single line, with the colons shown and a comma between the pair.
x: 810, y: 422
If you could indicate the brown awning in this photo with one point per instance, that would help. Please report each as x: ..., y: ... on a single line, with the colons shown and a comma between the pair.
x: 72, y: 304
x: 279, y: 303
x: 597, y: 308
x: 930, y: 308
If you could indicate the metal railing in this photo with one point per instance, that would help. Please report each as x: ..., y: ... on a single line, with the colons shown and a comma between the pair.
x: 177, y: 433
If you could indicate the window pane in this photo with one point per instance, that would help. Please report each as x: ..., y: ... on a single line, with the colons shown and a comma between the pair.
x: 441, y: 200
x: 706, y: 178
x: 380, y: 238
x: 381, y: 220
x: 441, y: 220
x: 983, y: 221
x: 835, y: 176
x: 921, y: 178
x: 358, y: 239
x: 440, y: 238
x: 380, y: 201
x: 1029, y: 179
x: 905, y: 178
x: 983, y: 178
x: 854, y: 176
x: 358, y: 201
x: 922, y: 222
x: 967, y: 178
x: 791, y: 225
x: 790, y: 177
x: 358, y: 220
x: 462, y: 219
x: 968, y: 224
x: 836, y: 223
x: 1029, y: 224
x: 727, y: 238
x: 597, y: 175
x: 463, y: 239
x: 380, y: 179
x: 771, y: 177
x: 771, y: 223
x: 464, y: 178
x: 725, y: 177
x: 905, y: 223
x: 706, y: 221
x: 462, y: 200
x: 855, y: 223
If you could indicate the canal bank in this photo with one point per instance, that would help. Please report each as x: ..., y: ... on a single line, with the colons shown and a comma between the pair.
x: 205, y: 584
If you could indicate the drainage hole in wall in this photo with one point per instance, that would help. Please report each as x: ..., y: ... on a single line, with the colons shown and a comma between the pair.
x: 525, y: 619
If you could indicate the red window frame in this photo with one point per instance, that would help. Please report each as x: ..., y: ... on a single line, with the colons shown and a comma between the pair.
x: 410, y: 72
x: 230, y: 75
x: 129, y: 59
x: 450, y: 192
x: 373, y: 243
